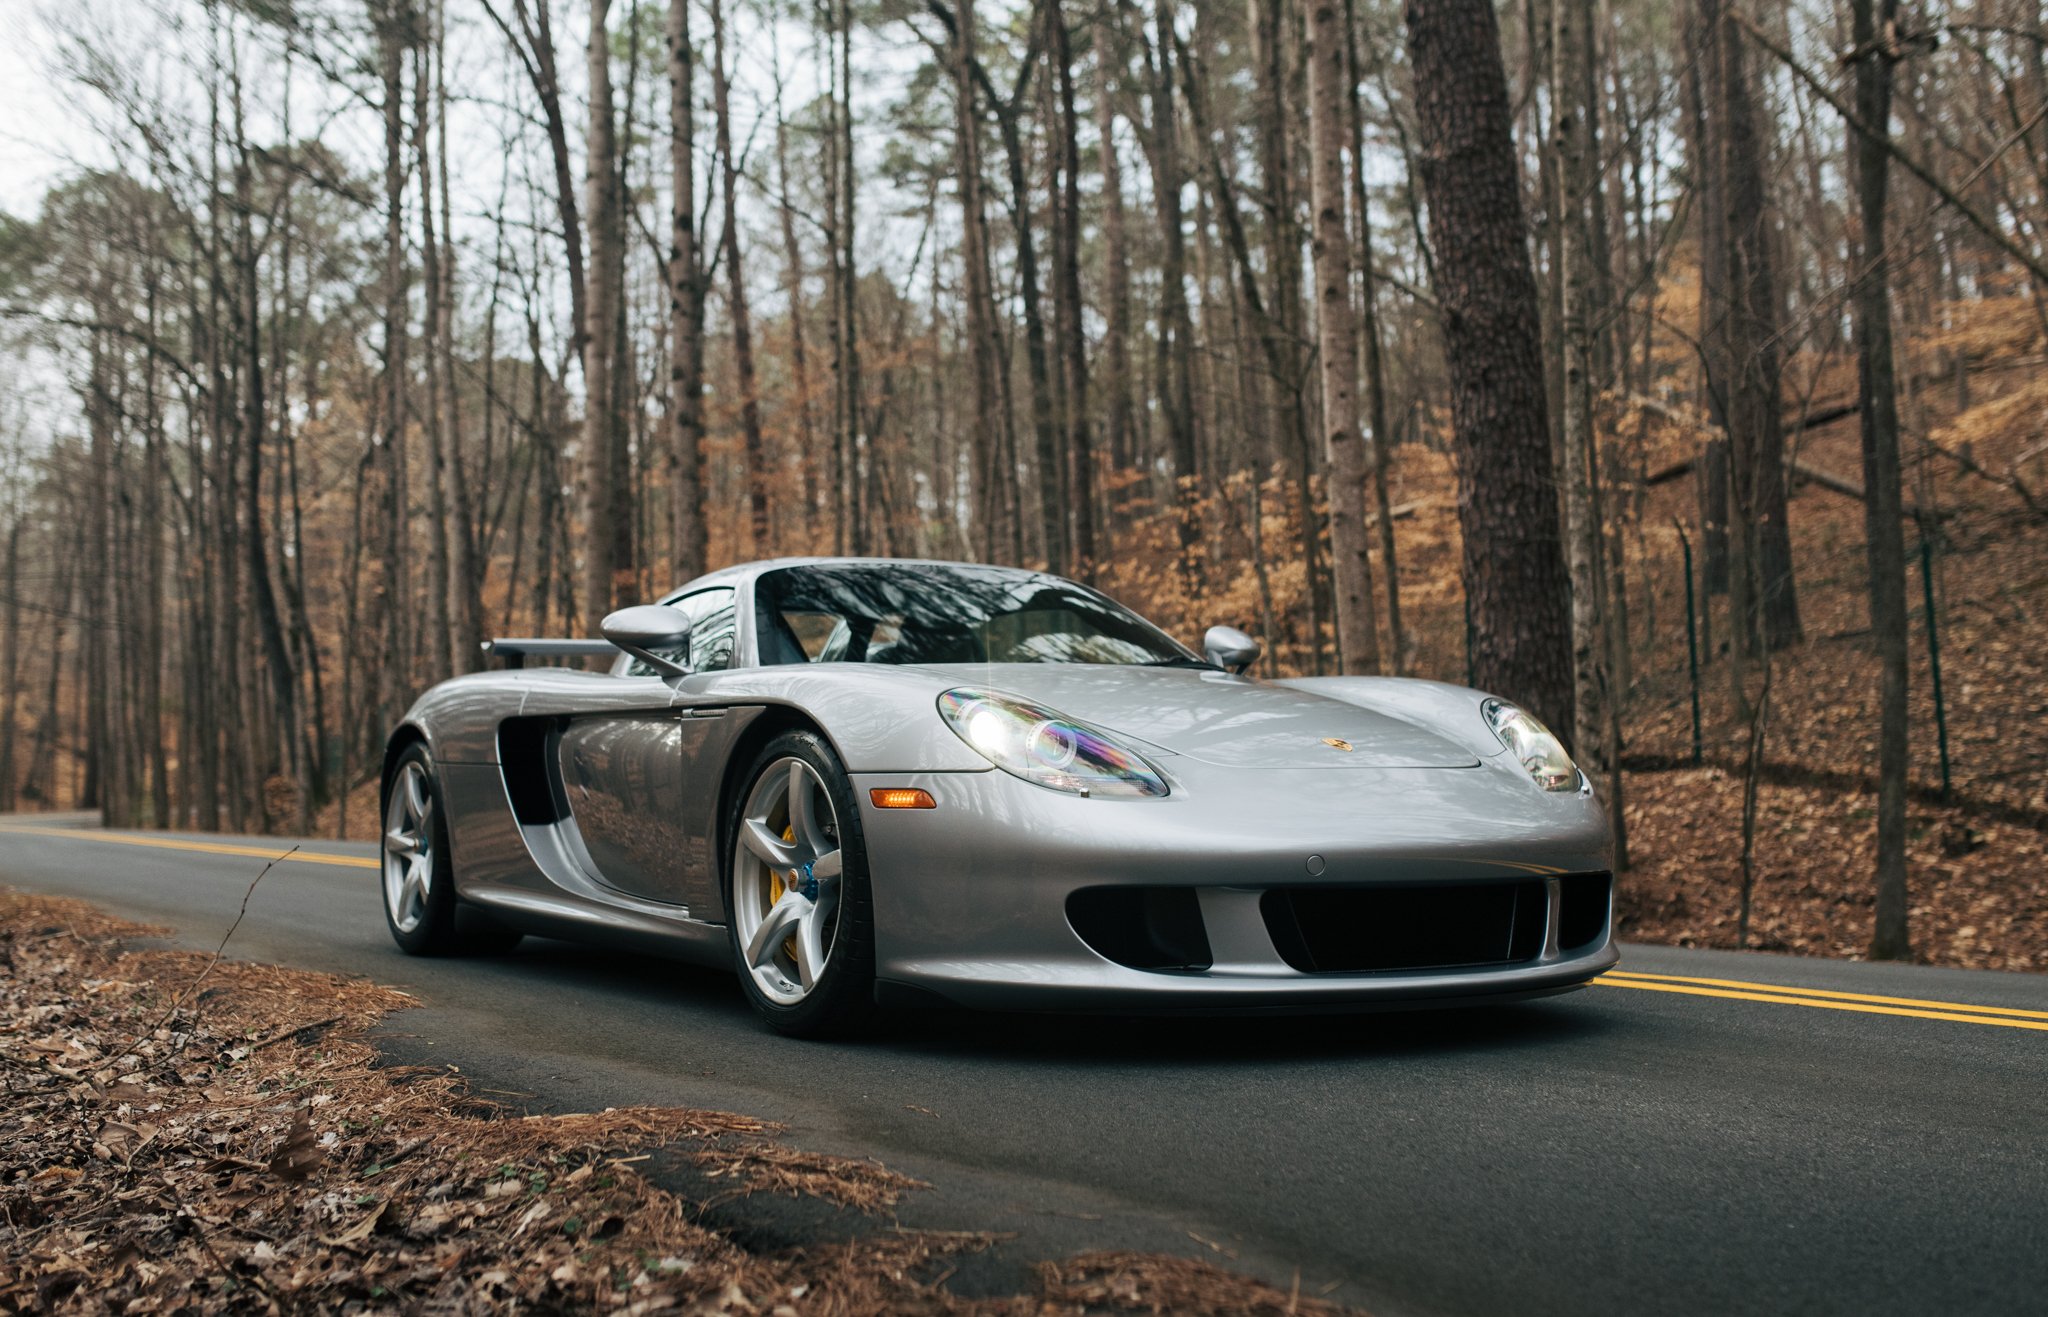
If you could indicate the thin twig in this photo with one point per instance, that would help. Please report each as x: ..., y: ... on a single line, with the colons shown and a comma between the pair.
x: 218, y: 951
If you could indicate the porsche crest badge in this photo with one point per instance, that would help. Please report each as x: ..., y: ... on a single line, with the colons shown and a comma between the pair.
x: 1337, y: 743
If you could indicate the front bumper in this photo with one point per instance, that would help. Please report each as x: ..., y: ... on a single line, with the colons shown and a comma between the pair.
x: 971, y: 898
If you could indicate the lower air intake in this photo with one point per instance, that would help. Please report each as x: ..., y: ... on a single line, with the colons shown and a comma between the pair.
x: 1155, y: 928
x: 1350, y: 930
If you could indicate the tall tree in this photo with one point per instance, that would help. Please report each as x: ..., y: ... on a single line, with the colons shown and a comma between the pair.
x: 687, y: 538
x: 1372, y: 368
x: 1073, y: 348
x: 1337, y: 337
x: 1874, y: 53
x: 470, y: 565
x: 1119, y: 424
x: 852, y: 426
x: 983, y: 346
x: 1513, y: 563
x: 607, y: 570
x: 1174, y: 366
x: 1751, y: 356
x: 1576, y: 174
x: 393, y: 21
x: 10, y: 655
x: 736, y: 290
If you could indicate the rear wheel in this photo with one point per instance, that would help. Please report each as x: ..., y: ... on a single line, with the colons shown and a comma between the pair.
x: 420, y: 906
x: 800, y: 912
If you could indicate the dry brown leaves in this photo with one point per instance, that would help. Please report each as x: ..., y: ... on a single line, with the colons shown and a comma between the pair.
x: 240, y: 1149
x: 1147, y: 1282
x: 1978, y: 888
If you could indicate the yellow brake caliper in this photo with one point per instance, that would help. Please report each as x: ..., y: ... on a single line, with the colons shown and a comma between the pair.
x: 776, y: 889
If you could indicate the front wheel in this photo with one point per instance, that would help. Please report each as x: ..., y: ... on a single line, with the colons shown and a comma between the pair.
x: 802, y: 920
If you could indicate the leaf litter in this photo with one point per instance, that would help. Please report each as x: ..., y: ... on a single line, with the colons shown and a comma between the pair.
x: 242, y: 1148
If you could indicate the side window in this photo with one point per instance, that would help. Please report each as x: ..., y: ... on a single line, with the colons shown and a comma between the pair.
x: 714, y: 627
x: 713, y: 624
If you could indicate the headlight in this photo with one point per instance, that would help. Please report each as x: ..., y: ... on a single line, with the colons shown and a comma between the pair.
x: 1533, y: 745
x: 1050, y: 749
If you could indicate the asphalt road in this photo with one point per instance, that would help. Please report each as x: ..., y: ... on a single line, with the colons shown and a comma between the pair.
x: 1668, y: 1147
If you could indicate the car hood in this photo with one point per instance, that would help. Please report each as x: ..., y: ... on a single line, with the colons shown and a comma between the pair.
x: 1219, y: 719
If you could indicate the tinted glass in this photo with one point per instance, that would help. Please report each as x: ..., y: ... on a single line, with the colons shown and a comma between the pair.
x: 919, y: 613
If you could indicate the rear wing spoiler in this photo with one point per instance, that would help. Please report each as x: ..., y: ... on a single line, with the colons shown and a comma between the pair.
x: 517, y: 650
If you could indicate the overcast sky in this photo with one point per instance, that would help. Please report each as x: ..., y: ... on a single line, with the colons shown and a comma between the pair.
x: 37, y: 133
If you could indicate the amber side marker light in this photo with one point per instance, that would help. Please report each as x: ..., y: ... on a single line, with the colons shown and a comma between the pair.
x: 902, y: 798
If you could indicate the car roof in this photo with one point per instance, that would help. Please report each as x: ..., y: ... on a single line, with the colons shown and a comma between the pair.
x: 747, y: 571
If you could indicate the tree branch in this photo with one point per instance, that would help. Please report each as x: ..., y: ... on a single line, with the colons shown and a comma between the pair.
x: 2004, y: 241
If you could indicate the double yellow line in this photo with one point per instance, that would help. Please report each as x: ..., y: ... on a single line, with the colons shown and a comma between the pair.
x: 1862, y: 1002
x: 202, y: 847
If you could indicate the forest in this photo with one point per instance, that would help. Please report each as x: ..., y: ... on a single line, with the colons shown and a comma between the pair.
x: 1678, y: 367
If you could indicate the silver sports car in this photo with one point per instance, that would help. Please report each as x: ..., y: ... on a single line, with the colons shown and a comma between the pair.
x: 866, y: 781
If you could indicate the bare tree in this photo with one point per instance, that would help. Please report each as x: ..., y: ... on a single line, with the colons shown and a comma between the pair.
x: 1337, y: 335
x: 1571, y: 50
x: 687, y: 538
x: 607, y: 570
x: 1878, y: 389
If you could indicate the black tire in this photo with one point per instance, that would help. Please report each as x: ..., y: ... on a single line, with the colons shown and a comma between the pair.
x: 842, y: 999
x: 444, y: 925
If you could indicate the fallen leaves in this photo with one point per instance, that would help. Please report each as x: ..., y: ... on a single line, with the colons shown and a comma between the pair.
x: 245, y: 1151
x: 1984, y: 909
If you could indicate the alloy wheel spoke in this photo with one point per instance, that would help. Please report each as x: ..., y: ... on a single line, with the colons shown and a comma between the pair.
x: 770, y: 849
x: 803, y: 823
x: 810, y: 945
x: 400, y: 843
x: 827, y: 867
x: 775, y: 929
x: 415, y: 793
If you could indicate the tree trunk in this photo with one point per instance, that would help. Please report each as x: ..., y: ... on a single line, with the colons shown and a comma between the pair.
x: 394, y: 30
x: 1119, y: 425
x: 1704, y: 157
x: 849, y: 288
x: 1570, y: 46
x: 535, y: 46
x: 1081, y: 463
x: 736, y: 293
x: 469, y: 566
x: 1885, y: 537
x: 1371, y: 366
x: 1045, y: 444
x: 1513, y: 565
x: 799, y: 345
x: 1756, y: 430
x: 983, y: 347
x: 1337, y: 337
x: 10, y: 657
x: 607, y: 571
x: 687, y: 548
x: 1176, y: 349
x: 442, y: 656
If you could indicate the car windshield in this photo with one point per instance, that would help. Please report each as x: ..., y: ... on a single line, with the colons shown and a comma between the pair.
x: 945, y: 613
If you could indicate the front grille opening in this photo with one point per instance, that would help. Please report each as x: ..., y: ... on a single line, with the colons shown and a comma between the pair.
x: 1155, y: 928
x: 1338, y: 930
x: 1582, y: 910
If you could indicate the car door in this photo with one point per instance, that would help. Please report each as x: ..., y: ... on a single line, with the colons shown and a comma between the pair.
x: 627, y: 774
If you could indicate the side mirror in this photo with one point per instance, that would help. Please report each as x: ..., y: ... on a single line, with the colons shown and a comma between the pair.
x: 1230, y: 649
x: 650, y: 627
